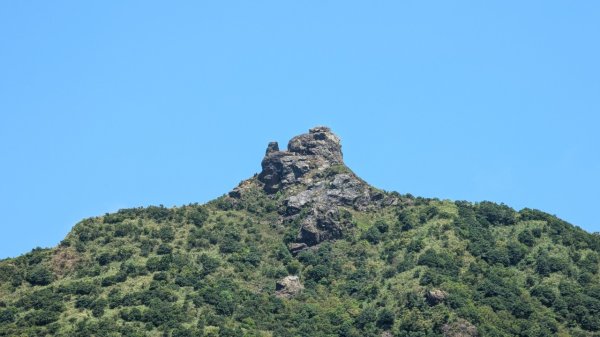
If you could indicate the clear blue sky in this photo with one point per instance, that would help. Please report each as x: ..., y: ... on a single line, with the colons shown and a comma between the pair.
x: 115, y: 104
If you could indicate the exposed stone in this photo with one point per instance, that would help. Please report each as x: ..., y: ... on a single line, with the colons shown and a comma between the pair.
x: 318, y: 149
x: 346, y: 189
x: 459, y: 328
x: 295, y: 202
x: 297, y: 247
x: 435, y: 296
x: 281, y: 169
x: 319, y: 141
x: 288, y: 287
x: 323, y: 224
x: 272, y: 147
x: 240, y: 189
x: 235, y: 193
x: 313, y: 185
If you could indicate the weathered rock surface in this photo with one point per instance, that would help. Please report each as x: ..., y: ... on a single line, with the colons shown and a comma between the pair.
x: 314, y: 187
x: 288, y: 287
x: 318, y: 149
x: 325, y: 223
x: 319, y: 141
x: 297, y: 247
x: 435, y: 296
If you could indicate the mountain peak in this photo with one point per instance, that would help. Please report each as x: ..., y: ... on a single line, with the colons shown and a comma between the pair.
x: 318, y: 149
x: 319, y: 141
x: 309, y: 236
x: 313, y: 187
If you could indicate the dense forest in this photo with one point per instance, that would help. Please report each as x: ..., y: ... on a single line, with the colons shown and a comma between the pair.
x: 394, y: 265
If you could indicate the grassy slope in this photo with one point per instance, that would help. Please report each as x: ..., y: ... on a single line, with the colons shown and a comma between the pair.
x: 210, y: 270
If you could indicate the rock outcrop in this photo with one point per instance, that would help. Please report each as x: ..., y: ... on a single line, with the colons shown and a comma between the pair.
x: 314, y: 187
x: 318, y: 149
x: 435, y: 296
x: 288, y: 287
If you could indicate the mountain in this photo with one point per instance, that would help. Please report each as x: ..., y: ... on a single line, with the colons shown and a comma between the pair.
x: 307, y: 248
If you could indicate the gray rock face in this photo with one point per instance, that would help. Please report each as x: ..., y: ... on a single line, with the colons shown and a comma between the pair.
x: 272, y: 147
x: 319, y: 141
x: 323, y: 224
x: 435, y: 296
x: 314, y: 187
x: 318, y: 149
x: 288, y: 287
x: 282, y: 169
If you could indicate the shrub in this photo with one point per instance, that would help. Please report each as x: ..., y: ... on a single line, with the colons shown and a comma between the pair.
x: 526, y: 237
x: 442, y: 261
x: 41, y: 317
x: 317, y: 273
x: 85, y: 302
x: 104, y: 258
x: 547, y: 264
x: 415, y: 246
x: 373, y: 235
x: 159, y: 213
x: 7, y: 315
x: 367, y: 315
x: 495, y: 214
x: 516, y: 252
x: 197, y: 216
x: 166, y: 234
x: 98, y: 307
x: 164, y: 249
x: 229, y: 244
x: 159, y: 263
x: 114, y: 279
x: 39, y: 276
x: 84, y: 287
x: 209, y: 264
x: 545, y: 294
x: 385, y: 318
x: 408, y: 220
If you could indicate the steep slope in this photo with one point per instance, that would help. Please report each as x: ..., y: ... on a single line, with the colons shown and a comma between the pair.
x: 307, y: 248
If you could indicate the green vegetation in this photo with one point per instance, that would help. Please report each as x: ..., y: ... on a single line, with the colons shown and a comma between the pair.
x: 210, y: 270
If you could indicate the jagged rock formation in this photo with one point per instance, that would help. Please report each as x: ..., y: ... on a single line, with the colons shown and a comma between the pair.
x: 314, y: 186
x: 317, y: 150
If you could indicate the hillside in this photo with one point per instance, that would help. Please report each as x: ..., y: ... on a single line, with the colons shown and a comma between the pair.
x: 307, y: 248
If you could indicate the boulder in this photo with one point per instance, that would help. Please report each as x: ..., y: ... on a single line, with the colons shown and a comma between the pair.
x: 435, y: 296
x: 288, y: 287
x: 297, y: 247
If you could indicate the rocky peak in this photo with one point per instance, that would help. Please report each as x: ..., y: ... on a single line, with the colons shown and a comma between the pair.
x: 313, y: 186
x: 316, y: 150
x: 319, y: 141
x: 272, y: 147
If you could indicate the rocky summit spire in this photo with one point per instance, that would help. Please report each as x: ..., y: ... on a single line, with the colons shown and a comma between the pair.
x: 319, y: 141
x: 312, y: 187
x: 316, y: 150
